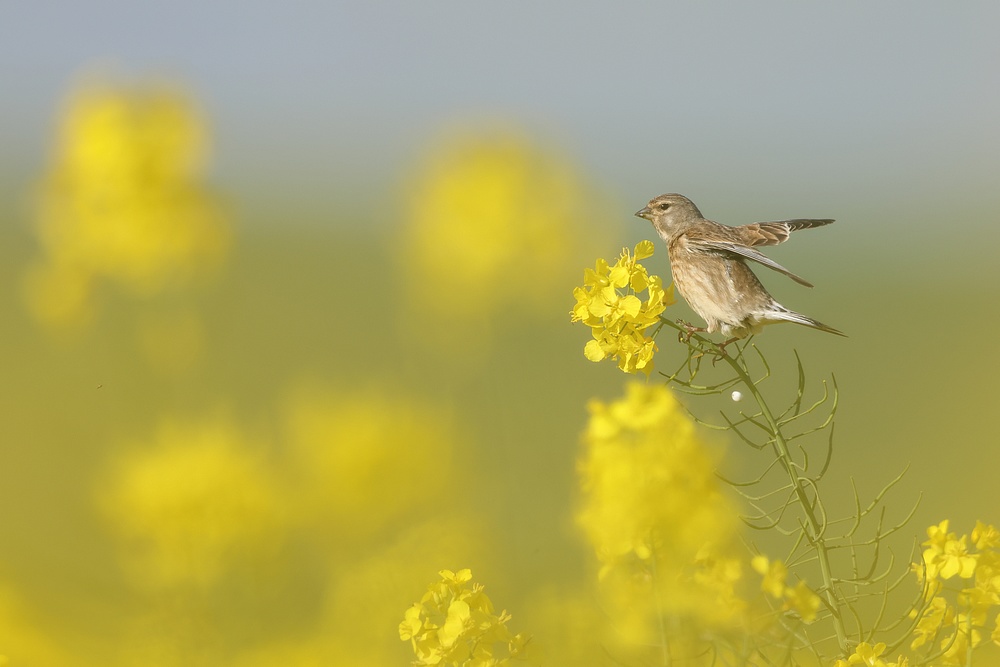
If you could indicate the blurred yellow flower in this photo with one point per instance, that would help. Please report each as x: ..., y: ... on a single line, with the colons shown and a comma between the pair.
x: 455, y: 624
x: 26, y: 640
x: 608, y: 303
x: 191, y: 503
x: 800, y: 599
x: 958, y: 646
x: 937, y: 615
x: 494, y: 223
x: 363, y: 459
x: 985, y: 536
x: 124, y: 201
x: 774, y: 572
x: 655, y: 514
x: 803, y: 601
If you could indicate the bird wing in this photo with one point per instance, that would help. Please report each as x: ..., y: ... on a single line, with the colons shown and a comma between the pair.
x: 773, y: 233
x: 718, y: 245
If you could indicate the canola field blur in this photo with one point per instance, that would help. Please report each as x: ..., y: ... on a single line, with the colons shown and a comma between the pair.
x: 228, y: 443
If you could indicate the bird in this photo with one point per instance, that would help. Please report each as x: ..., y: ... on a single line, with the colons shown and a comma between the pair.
x: 708, y: 262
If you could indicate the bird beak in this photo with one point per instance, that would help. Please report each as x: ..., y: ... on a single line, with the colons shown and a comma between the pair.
x: 644, y: 213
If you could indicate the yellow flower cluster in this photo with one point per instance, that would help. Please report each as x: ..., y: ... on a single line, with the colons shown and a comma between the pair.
x: 191, y: 503
x: 493, y: 221
x: 609, y: 303
x: 946, y: 556
x: 870, y: 656
x: 800, y: 599
x: 454, y: 624
x: 123, y: 201
x: 653, y: 510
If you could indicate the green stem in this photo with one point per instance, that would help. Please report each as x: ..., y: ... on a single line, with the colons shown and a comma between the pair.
x: 815, y: 528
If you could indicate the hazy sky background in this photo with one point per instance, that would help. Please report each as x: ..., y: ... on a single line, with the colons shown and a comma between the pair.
x: 755, y: 110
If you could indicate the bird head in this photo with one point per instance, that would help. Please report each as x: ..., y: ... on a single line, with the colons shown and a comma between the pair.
x: 669, y: 212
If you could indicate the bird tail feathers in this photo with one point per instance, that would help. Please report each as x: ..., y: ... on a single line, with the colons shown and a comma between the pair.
x: 798, y: 318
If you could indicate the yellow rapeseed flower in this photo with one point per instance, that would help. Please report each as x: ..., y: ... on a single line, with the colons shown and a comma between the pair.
x: 123, y: 201
x: 493, y: 223
x: 455, y: 624
x: 191, y: 503
x: 799, y: 599
x: 959, y: 644
x: 937, y: 615
x: 870, y: 656
x: 803, y: 601
x: 367, y: 581
x: 985, y: 536
x: 609, y: 303
x: 654, y: 513
x: 956, y: 560
x: 774, y: 572
x: 957, y: 619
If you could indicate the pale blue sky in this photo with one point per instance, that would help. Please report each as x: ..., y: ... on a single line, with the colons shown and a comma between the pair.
x: 887, y: 104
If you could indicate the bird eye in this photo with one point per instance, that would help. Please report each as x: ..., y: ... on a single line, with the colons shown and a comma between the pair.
x: 664, y: 206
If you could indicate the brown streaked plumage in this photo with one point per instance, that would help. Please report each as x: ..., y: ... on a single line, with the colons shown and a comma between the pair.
x: 709, y: 266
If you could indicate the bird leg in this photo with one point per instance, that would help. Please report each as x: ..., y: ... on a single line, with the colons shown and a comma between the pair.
x: 689, y: 330
x: 723, y: 344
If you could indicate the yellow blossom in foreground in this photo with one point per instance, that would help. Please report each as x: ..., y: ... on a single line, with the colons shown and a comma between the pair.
x: 191, y: 503
x: 945, y: 556
x: 610, y: 305
x: 654, y: 513
x: 957, y: 646
x: 985, y: 536
x: 937, y: 615
x: 367, y: 583
x: 455, y: 624
x: 870, y: 656
x: 957, y: 621
x: 124, y: 201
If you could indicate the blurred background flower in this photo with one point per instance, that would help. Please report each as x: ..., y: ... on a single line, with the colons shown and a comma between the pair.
x: 191, y: 503
x: 123, y: 200
x: 493, y: 227
x: 345, y: 447
x: 660, y: 525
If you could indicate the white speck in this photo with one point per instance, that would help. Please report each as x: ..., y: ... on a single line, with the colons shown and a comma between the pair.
x: 737, y: 396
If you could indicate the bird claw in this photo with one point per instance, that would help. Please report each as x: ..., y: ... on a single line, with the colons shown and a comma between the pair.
x: 720, y: 349
x: 689, y: 330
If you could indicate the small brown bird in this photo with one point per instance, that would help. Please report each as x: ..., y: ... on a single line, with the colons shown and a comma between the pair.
x: 709, y: 266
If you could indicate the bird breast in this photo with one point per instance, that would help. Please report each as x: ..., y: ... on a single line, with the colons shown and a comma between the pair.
x: 721, y: 289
